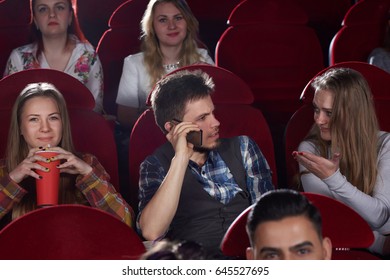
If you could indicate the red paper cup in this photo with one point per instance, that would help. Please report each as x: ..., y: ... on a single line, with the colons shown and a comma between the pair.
x: 47, y: 187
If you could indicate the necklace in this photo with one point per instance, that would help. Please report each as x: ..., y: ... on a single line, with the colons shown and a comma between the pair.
x: 170, y: 67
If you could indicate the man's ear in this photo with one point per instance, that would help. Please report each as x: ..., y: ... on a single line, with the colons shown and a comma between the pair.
x: 327, y: 248
x: 168, y: 126
x: 249, y: 253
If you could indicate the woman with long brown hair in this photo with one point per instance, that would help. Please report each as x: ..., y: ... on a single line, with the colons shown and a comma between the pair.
x: 40, y: 121
x: 345, y: 155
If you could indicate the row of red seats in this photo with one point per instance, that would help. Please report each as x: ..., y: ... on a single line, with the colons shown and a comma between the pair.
x: 122, y: 29
x: 238, y: 116
x: 234, y: 107
x: 76, y: 232
x: 275, y: 80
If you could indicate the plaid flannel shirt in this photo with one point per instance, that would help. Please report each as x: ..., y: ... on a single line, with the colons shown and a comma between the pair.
x: 95, y: 186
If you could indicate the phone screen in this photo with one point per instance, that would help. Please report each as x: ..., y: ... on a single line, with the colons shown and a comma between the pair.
x: 194, y: 137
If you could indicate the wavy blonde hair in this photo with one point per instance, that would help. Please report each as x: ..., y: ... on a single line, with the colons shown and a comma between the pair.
x: 153, y: 57
x: 17, y: 147
x: 353, y: 124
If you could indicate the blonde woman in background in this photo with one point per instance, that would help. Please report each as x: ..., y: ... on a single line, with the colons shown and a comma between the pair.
x: 169, y: 41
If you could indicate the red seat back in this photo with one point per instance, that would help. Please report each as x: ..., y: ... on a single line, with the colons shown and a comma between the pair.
x: 212, y: 17
x: 93, y: 134
x: 343, y: 225
x: 355, y: 42
x: 367, y: 12
x: 69, y: 232
x: 275, y: 60
x: 15, y: 18
x: 377, y: 78
x: 94, y: 16
x: 229, y: 88
x: 145, y: 137
x: 11, y: 38
x: 345, y: 228
x: 121, y: 40
x: 15, y: 13
x: 363, y: 29
x: 296, y: 130
x: 75, y: 93
x: 267, y: 12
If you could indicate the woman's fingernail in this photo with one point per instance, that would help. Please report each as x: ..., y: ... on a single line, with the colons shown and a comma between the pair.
x: 52, y: 158
x: 300, y: 153
x: 47, y: 160
x: 47, y: 169
x: 40, y: 147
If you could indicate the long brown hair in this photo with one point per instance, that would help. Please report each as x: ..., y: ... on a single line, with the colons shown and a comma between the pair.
x: 153, y: 56
x: 353, y: 124
x: 73, y: 29
x: 17, y: 148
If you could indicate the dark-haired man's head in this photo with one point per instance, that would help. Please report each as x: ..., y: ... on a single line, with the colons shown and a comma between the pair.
x: 285, y: 225
x: 185, y: 96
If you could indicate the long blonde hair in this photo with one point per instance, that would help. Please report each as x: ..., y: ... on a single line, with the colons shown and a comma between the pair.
x: 153, y: 57
x: 353, y: 124
x: 17, y: 147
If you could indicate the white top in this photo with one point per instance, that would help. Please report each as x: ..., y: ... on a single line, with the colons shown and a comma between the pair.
x: 134, y: 86
x: 380, y: 58
x: 84, y: 65
x: 374, y: 209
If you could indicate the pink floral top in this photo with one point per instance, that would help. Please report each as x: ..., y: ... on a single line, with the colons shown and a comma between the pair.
x: 84, y: 64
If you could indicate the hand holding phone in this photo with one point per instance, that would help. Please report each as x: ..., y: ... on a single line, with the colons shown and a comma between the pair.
x: 193, y: 137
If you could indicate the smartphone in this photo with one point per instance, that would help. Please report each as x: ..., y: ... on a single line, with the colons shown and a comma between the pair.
x: 194, y: 137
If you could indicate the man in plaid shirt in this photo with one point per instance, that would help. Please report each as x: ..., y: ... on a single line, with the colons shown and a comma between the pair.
x: 193, y: 191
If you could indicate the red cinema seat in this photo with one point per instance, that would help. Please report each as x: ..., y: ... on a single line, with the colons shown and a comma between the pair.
x: 69, y: 232
x: 348, y: 231
x: 121, y: 40
x: 362, y: 30
x: 93, y: 17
